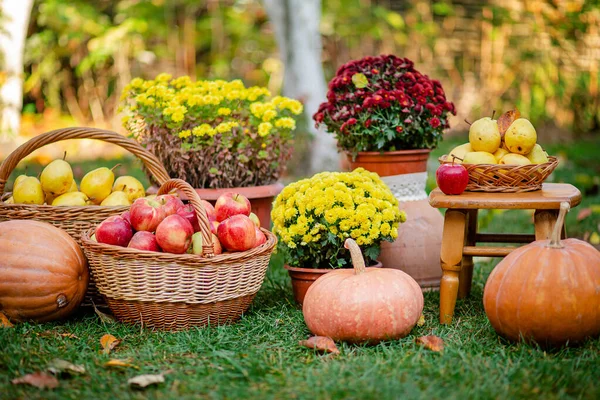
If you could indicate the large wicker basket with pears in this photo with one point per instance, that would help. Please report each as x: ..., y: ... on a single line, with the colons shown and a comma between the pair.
x: 503, y: 156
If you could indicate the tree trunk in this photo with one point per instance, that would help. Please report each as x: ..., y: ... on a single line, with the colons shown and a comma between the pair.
x: 296, y: 24
x: 15, y: 19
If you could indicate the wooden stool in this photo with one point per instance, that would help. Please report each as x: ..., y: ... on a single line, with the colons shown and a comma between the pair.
x: 460, y: 232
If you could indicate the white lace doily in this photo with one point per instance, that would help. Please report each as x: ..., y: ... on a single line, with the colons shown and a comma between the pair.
x: 407, y: 187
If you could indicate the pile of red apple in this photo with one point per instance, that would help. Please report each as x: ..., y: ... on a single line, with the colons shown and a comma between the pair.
x: 164, y: 223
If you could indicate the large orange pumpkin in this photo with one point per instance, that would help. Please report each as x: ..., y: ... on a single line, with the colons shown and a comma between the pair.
x: 363, y: 304
x: 547, y: 291
x: 43, y: 272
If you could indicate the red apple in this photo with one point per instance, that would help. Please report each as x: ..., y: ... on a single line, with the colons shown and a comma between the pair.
x: 169, y: 203
x: 229, y: 204
x: 146, y: 214
x: 174, y: 234
x: 260, y: 237
x: 143, y: 240
x: 126, y: 216
x: 255, y: 219
x: 114, y: 230
x: 196, y: 246
x: 237, y: 233
x: 210, y: 210
x: 452, y: 178
x: 214, y: 225
x: 187, y: 211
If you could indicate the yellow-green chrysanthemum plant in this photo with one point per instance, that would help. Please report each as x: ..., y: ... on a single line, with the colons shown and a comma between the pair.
x: 212, y: 134
x: 313, y: 217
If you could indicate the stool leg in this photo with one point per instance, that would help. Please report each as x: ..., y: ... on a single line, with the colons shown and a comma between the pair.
x: 544, y: 223
x: 451, y: 256
x: 466, y: 272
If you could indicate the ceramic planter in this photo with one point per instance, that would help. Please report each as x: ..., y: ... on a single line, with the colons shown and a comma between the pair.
x: 302, y: 278
x: 416, y: 251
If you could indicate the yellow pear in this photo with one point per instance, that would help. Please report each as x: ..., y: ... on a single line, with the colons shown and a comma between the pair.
x: 28, y: 191
x: 19, y: 179
x: 459, y: 152
x: 10, y: 200
x: 479, y: 157
x: 71, y: 199
x: 97, y: 184
x: 73, y: 187
x: 116, y: 199
x: 537, y: 155
x: 484, y: 135
x: 498, y: 154
x: 514, y: 159
x: 57, y: 177
x: 131, y: 186
x: 520, y: 137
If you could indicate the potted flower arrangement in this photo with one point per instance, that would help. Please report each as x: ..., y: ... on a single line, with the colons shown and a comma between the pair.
x: 387, y: 117
x: 313, y: 217
x: 215, y: 135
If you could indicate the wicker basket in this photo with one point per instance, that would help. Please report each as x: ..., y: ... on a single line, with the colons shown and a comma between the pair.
x: 73, y: 220
x: 495, y: 178
x: 178, y: 291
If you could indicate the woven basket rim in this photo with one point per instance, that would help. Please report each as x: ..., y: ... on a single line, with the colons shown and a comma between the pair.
x: 188, y: 259
x: 551, y: 160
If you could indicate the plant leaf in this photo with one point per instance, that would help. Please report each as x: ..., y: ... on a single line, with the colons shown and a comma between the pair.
x: 108, y: 343
x: 506, y: 119
x: 431, y: 342
x: 108, y: 319
x: 321, y: 343
x: 360, y: 80
x: 421, y: 320
x: 142, y: 381
x: 58, y: 366
x: 4, y: 322
x: 38, y: 379
x: 584, y: 213
x: 119, y: 363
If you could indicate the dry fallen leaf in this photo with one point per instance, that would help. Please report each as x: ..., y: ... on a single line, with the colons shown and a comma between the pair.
x: 109, y: 319
x: 431, y: 342
x: 421, y: 320
x: 595, y: 238
x: 69, y: 335
x: 584, y: 213
x: 58, y: 366
x: 38, y: 379
x: 4, y: 322
x: 108, y: 343
x: 119, y: 363
x: 141, y: 381
x: 506, y: 119
x: 321, y: 343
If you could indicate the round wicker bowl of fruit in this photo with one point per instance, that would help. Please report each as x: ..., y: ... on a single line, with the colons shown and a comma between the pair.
x: 503, y: 155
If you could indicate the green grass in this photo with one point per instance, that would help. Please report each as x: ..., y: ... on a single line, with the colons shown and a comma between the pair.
x: 259, y: 356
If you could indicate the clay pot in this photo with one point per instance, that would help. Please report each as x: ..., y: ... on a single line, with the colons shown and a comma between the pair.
x: 416, y: 251
x: 302, y: 278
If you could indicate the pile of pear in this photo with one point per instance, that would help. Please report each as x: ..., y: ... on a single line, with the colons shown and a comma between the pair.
x: 57, y: 187
x: 490, y: 144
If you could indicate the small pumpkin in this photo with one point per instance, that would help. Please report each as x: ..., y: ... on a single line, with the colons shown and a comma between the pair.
x: 363, y: 305
x: 43, y: 272
x: 547, y: 291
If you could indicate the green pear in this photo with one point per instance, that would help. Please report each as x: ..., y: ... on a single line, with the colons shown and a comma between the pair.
x: 459, y: 152
x: 28, y: 191
x: 537, y: 155
x: 520, y: 137
x: 479, y: 157
x: 97, y: 184
x: 131, y: 186
x: 484, y: 135
x: 71, y: 199
x: 56, y: 178
x: 116, y: 199
x: 514, y: 159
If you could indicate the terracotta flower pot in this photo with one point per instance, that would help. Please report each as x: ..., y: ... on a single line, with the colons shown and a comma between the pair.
x: 302, y: 278
x: 416, y: 251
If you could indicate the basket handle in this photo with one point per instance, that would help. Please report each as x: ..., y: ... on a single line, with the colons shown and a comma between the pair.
x: 155, y: 167
x: 194, y: 199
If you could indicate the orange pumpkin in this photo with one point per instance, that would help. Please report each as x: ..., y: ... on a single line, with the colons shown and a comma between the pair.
x: 363, y: 304
x: 43, y: 272
x: 547, y: 291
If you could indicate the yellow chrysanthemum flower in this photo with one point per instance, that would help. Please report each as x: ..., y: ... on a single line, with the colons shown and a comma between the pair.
x: 264, y: 128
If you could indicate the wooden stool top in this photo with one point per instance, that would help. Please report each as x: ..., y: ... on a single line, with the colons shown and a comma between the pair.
x: 549, y: 198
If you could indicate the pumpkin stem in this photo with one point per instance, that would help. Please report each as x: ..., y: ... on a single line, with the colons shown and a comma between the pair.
x: 558, y: 226
x: 357, y: 258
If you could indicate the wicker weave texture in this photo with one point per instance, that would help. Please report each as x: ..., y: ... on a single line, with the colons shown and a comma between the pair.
x: 74, y: 220
x: 496, y: 178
